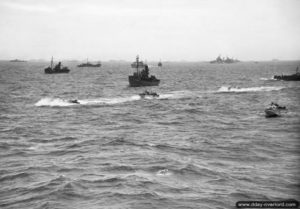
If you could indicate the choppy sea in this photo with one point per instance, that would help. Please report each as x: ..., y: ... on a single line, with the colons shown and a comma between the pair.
x: 204, y: 143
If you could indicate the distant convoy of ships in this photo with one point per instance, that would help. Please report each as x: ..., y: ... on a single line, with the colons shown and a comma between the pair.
x: 141, y: 75
x: 139, y: 78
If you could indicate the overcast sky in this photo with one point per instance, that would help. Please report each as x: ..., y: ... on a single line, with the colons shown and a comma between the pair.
x: 174, y: 30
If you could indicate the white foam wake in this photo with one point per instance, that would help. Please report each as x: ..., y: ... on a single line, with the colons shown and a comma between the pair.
x: 57, y: 102
x: 268, y: 79
x: 224, y: 89
x: 176, y: 95
x: 109, y: 101
x: 53, y: 102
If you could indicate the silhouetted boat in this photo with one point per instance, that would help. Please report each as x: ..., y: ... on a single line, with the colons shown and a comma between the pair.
x: 88, y: 64
x: 228, y: 60
x: 141, y: 76
x: 274, y: 110
x: 159, y: 64
x: 271, y: 112
x: 16, y: 60
x: 147, y: 93
x: 56, y: 69
x: 293, y: 77
x: 75, y: 101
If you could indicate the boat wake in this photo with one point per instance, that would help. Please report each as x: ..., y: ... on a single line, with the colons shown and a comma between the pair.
x: 53, y: 102
x: 177, y: 95
x: 58, y: 102
x: 228, y: 89
x: 268, y: 79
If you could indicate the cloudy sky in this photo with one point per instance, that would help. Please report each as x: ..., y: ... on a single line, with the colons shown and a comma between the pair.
x: 174, y: 30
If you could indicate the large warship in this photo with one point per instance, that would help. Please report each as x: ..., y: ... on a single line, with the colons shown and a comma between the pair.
x: 220, y: 60
x: 141, y: 76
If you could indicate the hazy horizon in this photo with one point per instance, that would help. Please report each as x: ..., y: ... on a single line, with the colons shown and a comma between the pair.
x: 178, y: 30
x: 133, y: 60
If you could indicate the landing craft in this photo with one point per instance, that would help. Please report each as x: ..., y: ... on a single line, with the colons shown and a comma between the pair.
x: 293, y: 77
x: 274, y: 110
x: 147, y: 93
x: 75, y: 101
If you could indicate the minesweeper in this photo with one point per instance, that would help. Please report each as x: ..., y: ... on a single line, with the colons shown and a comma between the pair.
x: 56, y: 69
x: 141, y: 76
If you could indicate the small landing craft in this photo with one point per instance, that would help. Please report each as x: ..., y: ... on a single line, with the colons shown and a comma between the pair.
x: 141, y: 76
x: 147, y: 93
x: 75, y: 101
x: 56, y: 69
x: 274, y: 110
x: 293, y: 77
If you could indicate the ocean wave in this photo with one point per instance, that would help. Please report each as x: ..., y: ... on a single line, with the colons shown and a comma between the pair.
x: 14, y: 176
x: 163, y: 172
x: 229, y: 89
x: 118, y: 168
x: 53, y: 140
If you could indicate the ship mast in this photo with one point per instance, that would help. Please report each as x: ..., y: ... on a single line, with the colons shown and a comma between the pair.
x: 137, y: 65
x: 52, y: 62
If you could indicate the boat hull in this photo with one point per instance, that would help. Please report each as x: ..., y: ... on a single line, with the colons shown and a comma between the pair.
x: 272, y: 113
x: 50, y: 71
x: 89, y: 65
x: 295, y: 77
x: 135, y: 82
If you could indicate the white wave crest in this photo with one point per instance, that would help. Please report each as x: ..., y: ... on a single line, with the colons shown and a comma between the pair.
x: 109, y: 101
x: 53, y: 102
x: 176, y: 95
x: 268, y: 79
x: 224, y: 89
x: 163, y: 172
x: 57, y: 102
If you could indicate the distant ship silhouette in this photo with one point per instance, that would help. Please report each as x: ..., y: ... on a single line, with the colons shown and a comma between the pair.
x: 88, y: 64
x: 56, y: 69
x: 16, y: 60
x: 228, y: 60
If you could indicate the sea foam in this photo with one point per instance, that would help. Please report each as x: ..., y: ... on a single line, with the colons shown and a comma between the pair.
x: 225, y: 89
x: 57, y: 102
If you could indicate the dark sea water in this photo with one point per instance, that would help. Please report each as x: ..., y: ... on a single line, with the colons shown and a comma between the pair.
x: 199, y: 145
